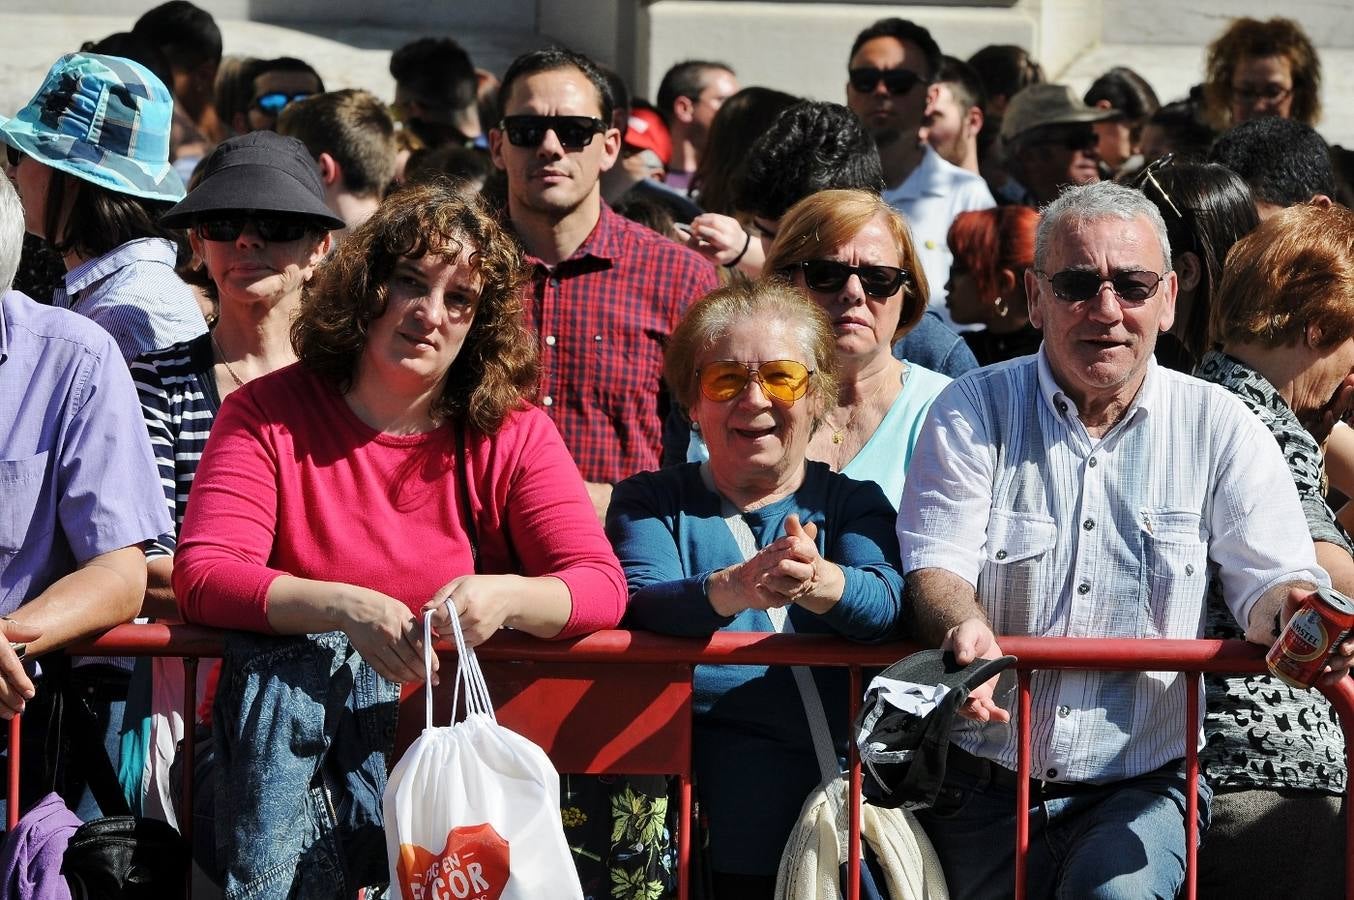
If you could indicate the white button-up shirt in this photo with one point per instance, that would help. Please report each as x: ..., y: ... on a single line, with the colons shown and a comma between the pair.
x: 1063, y: 534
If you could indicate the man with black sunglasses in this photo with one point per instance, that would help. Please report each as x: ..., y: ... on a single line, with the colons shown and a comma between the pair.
x: 1050, y: 142
x: 1086, y: 491
x: 605, y: 292
x: 891, y: 66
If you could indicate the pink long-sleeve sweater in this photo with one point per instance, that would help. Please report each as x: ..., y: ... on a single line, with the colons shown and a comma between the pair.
x: 293, y: 482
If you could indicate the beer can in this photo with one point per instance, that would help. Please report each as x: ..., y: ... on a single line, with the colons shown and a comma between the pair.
x: 1325, y: 619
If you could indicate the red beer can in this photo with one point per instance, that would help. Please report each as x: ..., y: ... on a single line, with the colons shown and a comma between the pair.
x: 1325, y: 619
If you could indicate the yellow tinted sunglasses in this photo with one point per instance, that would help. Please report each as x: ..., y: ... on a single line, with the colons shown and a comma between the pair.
x: 780, y: 379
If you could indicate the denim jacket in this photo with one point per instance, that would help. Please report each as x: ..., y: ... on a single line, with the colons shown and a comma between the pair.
x: 300, y: 718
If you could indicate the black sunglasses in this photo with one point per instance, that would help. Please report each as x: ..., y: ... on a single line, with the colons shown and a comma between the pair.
x: 829, y: 275
x: 1075, y: 285
x: 1074, y: 139
x: 898, y: 81
x: 14, y: 155
x: 573, y: 132
x: 270, y: 228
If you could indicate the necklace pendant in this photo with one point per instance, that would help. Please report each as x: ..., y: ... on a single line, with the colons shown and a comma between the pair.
x: 837, y: 437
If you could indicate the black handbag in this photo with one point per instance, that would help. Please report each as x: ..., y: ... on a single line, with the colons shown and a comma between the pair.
x: 126, y: 858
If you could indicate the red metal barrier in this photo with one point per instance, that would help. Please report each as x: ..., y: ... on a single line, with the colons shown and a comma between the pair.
x: 621, y: 649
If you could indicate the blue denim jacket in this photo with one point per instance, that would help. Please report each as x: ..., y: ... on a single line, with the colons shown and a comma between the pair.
x: 303, y: 728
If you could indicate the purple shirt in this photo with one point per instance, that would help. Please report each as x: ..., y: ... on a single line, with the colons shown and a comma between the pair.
x: 77, y: 477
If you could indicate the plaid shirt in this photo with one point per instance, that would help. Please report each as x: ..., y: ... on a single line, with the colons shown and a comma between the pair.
x: 603, y: 317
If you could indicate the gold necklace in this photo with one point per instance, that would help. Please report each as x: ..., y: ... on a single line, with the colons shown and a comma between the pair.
x: 221, y: 353
x: 838, y: 434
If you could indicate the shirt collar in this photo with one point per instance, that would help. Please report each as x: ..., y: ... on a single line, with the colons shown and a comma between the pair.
x: 1065, y: 409
x: 4, y: 329
x: 140, y: 250
x: 925, y: 179
x: 603, y: 242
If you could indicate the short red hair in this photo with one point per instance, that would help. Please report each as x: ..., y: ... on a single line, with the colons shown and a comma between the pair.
x: 986, y: 241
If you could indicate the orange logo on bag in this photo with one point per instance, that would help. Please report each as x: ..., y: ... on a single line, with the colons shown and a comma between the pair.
x: 472, y: 866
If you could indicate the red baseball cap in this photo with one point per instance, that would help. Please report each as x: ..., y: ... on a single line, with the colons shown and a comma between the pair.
x: 647, y: 131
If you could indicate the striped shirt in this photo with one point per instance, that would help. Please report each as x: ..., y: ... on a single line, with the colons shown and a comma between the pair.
x: 179, y: 402
x: 135, y: 294
x: 1065, y: 535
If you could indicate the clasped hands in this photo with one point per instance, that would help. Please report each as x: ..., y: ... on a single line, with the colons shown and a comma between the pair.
x: 788, y: 570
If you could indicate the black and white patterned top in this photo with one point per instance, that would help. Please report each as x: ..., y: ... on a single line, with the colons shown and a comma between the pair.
x: 1261, y: 732
x: 179, y: 401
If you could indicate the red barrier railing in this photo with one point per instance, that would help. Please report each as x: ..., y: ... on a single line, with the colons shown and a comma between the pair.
x: 592, y: 656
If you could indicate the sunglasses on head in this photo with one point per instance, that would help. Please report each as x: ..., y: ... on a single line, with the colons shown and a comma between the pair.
x: 898, y: 81
x: 572, y: 132
x: 829, y: 276
x: 1148, y: 176
x: 270, y: 228
x: 780, y: 379
x: 1130, y: 286
x: 274, y: 102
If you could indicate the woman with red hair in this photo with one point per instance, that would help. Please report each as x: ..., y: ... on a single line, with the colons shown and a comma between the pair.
x: 992, y: 248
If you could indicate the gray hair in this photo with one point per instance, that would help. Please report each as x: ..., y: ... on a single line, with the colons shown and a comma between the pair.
x: 1102, y: 200
x: 11, y: 234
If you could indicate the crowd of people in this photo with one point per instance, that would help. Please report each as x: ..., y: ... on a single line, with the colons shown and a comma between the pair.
x: 967, y: 356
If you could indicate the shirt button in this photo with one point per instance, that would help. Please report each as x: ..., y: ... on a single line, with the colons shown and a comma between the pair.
x: 1088, y: 524
x: 1091, y: 462
x: 1189, y: 568
x: 1064, y: 712
x: 597, y: 338
x: 1052, y: 773
x: 1062, y: 407
x: 550, y: 340
x: 1084, y: 587
x: 547, y: 400
x: 554, y: 281
x: 1001, y: 554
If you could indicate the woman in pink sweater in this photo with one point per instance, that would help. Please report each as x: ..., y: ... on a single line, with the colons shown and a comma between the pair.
x: 397, y: 464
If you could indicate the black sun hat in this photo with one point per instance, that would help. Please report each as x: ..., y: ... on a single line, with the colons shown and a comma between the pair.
x: 261, y: 171
x: 903, y: 732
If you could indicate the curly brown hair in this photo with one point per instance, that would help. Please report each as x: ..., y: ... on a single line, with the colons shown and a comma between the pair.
x: 497, y: 368
x: 1248, y: 37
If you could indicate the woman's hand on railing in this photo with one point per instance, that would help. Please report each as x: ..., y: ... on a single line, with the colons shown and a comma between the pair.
x: 387, y: 635
x: 969, y: 640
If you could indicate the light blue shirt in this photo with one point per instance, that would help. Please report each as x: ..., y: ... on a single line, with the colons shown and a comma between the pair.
x: 887, y: 454
x: 77, y: 478
x: 135, y: 294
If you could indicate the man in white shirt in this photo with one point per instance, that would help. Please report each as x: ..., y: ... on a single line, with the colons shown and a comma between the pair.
x: 1088, y: 492
x: 891, y: 66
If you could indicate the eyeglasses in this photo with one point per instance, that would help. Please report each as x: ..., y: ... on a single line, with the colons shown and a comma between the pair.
x: 1075, y: 285
x: 1148, y: 176
x: 780, y: 379
x: 829, y: 276
x: 898, y: 81
x: 269, y: 228
x: 573, y: 132
x: 14, y: 155
x: 1269, y: 93
x: 274, y: 102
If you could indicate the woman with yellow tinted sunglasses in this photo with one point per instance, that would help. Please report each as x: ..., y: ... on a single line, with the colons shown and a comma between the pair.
x: 756, y: 538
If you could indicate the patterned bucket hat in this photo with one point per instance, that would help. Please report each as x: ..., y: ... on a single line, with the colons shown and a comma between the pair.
x: 104, y: 119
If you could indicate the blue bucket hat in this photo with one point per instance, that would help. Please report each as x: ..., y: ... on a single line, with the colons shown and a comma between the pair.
x: 104, y: 119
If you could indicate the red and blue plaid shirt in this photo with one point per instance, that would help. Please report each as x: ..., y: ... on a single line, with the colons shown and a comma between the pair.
x: 603, y: 317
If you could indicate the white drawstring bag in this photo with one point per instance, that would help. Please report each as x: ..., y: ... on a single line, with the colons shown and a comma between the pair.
x: 472, y: 809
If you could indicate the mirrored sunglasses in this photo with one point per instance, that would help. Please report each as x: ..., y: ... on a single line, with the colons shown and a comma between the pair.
x: 780, y: 379
x: 269, y: 228
x: 572, y: 132
x: 897, y: 81
x: 829, y: 276
x: 274, y: 102
x: 1074, y: 285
